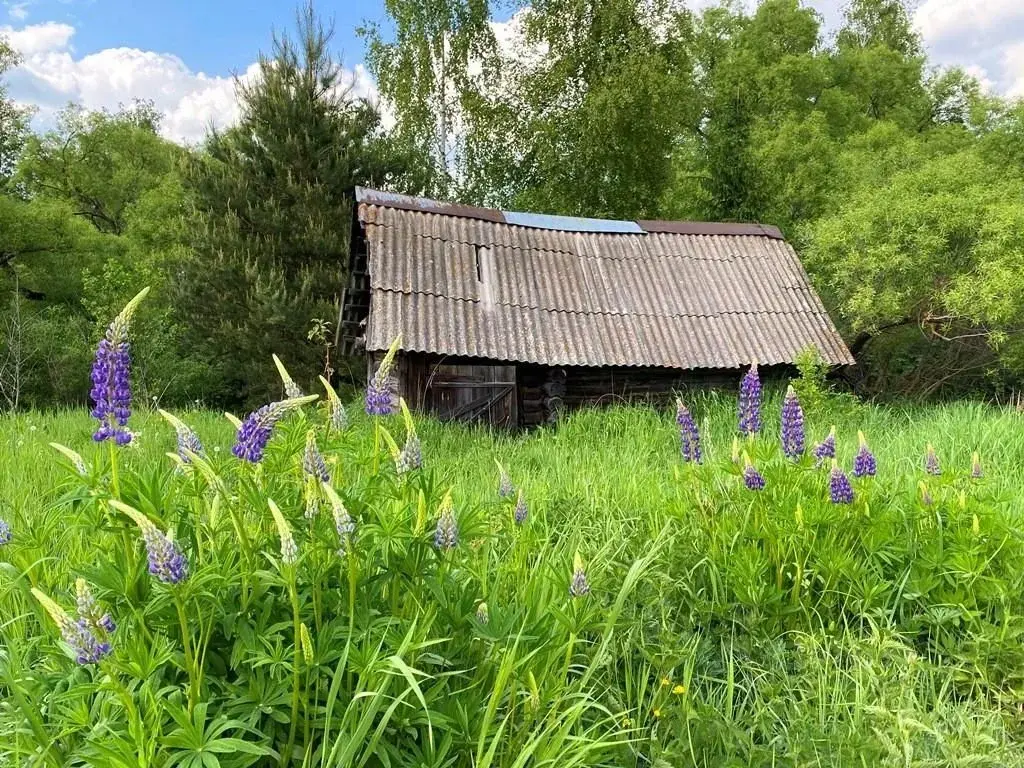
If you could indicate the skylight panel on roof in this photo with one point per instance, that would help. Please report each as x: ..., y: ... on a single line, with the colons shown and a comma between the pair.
x: 571, y: 223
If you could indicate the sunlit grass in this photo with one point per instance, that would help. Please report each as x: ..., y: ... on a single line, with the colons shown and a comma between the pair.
x: 722, y: 625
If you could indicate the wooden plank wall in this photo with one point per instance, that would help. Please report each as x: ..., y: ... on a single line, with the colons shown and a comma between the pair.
x: 449, y: 387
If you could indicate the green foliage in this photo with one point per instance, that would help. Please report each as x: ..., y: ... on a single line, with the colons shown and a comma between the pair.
x: 13, y: 118
x: 273, y: 201
x: 722, y: 627
x: 810, y: 384
x: 938, y: 247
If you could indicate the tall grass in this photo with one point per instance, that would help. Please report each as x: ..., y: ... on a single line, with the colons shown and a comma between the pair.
x: 723, y: 626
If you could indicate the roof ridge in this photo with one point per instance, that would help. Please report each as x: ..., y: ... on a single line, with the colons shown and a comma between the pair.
x: 562, y: 223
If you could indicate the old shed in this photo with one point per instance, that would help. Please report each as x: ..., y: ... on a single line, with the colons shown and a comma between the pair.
x: 512, y: 317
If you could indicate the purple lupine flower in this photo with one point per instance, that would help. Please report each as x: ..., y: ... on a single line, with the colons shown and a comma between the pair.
x: 446, y: 533
x: 5, y: 533
x: 344, y: 525
x: 521, y: 511
x: 86, y: 643
x: 839, y: 489
x: 166, y: 561
x: 255, y: 432
x: 505, y: 487
x: 258, y: 427
x: 89, y: 611
x: 339, y: 416
x: 793, y: 437
x: 926, y: 496
x: 87, y: 647
x: 111, y: 390
x: 313, y: 463
x: 187, y: 442
x: 411, y: 455
x: 753, y: 479
x: 750, y: 402
x: 578, y: 585
x: 380, y: 400
x: 864, y: 462
x: 689, y: 435
x: 976, y: 471
x: 111, y: 378
x: 931, y: 461
x: 826, y: 449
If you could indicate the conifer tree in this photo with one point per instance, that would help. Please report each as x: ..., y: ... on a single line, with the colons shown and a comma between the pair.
x: 273, y: 204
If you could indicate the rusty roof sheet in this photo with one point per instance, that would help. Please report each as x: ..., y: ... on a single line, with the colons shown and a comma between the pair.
x: 674, y: 295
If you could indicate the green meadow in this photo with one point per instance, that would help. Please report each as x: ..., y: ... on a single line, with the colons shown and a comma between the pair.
x: 722, y: 626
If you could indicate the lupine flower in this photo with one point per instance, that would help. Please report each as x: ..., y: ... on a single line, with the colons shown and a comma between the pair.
x: 5, y: 533
x: 520, y: 512
x: 306, y: 643
x: 689, y: 436
x: 89, y: 611
x: 258, y: 427
x: 446, y: 533
x: 79, y: 635
x: 291, y: 389
x: 313, y: 463
x: 578, y: 585
x: 111, y: 378
x: 411, y: 455
x: 311, y: 495
x: 337, y: 415
x: 976, y: 471
x: 926, y: 496
x: 76, y: 459
x: 975, y: 524
x: 750, y: 402
x: 839, y: 489
x: 931, y: 461
x: 505, y: 487
x: 289, y: 550
x: 188, y: 442
x: 343, y: 523
x: 379, y: 399
x: 826, y: 449
x: 864, y: 462
x: 166, y: 561
x: 735, y: 450
x: 481, y: 613
x: 793, y: 437
x: 753, y: 479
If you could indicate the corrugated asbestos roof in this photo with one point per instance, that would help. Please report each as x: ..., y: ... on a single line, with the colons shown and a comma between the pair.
x: 477, y: 282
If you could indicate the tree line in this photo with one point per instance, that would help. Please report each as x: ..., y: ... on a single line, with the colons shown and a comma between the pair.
x: 900, y: 184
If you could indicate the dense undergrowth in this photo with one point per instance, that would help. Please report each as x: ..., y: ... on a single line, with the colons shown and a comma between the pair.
x: 723, y: 626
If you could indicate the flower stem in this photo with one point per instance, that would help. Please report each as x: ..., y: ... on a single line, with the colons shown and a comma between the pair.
x: 114, y: 486
x: 296, y: 661
x: 186, y: 640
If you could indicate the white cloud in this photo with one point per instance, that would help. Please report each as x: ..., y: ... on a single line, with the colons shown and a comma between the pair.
x: 18, y: 11
x: 38, y: 38
x: 1013, y: 66
x: 51, y: 76
x: 938, y: 20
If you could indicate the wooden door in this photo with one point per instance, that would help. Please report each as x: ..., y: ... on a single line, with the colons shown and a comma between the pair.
x: 484, y: 393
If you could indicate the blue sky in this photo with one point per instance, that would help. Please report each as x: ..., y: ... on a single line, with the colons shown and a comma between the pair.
x: 181, y: 54
x: 213, y: 36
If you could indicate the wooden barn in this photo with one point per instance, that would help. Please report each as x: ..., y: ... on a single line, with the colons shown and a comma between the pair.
x: 513, y: 317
